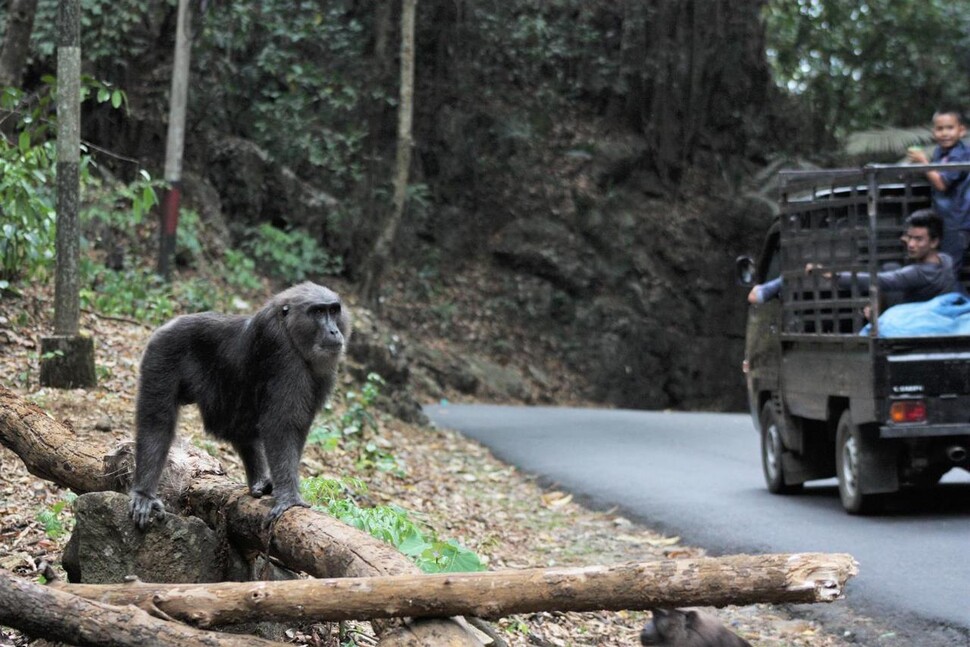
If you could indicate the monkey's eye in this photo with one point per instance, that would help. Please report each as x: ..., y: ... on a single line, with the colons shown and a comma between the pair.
x: 331, y: 309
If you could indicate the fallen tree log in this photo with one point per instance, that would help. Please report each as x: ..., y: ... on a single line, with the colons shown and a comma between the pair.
x: 706, y: 581
x: 44, y: 611
x: 303, y: 539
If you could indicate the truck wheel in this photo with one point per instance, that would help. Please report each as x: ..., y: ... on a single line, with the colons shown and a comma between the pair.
x: 771, y: 453
x: 849, y: 450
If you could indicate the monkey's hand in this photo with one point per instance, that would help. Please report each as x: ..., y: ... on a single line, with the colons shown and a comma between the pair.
x: 282, y: 505
x: 143, y: 508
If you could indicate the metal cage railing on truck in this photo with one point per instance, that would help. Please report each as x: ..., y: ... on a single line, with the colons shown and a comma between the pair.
x: 847, y: 221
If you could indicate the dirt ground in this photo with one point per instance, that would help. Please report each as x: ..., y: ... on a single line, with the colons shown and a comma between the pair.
x: 454, y: 485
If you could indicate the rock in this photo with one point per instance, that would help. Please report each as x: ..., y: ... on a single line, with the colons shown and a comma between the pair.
x: 107, y: 547
x: 372, y: 349
x: 255, y: 188
x: 550, y: 250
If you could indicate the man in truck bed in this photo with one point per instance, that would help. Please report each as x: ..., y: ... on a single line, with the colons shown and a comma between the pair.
x: 929, y: 274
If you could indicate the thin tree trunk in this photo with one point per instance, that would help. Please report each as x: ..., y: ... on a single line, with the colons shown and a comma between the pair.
x: 67, y: 279
x: 380, y: 257
x: 706, y: 581
x: 16, y: 41
x: 67, y: 358
x: 45, y: 612
x: 176, y: 139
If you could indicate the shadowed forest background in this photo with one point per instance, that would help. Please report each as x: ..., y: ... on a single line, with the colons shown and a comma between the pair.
x: 582, y: 178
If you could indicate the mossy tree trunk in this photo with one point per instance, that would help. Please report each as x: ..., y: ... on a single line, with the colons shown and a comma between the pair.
x: 67, y: 359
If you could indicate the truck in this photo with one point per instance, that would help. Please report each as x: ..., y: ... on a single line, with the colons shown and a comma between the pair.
x: 828, y: 394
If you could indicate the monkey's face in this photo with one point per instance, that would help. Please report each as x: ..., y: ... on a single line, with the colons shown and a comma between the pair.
x: 318, y: 326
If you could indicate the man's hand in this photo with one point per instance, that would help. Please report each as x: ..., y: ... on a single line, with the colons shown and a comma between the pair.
x: 816, y: 268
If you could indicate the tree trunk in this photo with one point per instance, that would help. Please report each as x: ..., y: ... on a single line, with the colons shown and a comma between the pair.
x: 697, y: 79
x: 303, y: 539
x: 175, y: 142
x: 45, y: 612
x: 380, y: 256
x: 67, y: 279
x: 706, y: 581
x: 16, y: 41
x: 68, y: 358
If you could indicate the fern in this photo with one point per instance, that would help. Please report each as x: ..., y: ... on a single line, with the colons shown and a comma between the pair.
x: 887, y: 141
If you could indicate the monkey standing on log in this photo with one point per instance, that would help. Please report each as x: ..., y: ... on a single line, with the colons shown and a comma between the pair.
x: 258, y: 381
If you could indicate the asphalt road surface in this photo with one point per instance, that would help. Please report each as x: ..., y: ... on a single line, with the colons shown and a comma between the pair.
x: 698, y: 475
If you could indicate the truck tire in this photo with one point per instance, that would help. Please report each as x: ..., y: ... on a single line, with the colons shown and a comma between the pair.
x: 772, y: 450
x: 849, y: 451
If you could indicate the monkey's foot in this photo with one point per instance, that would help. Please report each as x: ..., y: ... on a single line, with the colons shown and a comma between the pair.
x: 261, y: 487
x: 281, y: 507
x: 143, y: 508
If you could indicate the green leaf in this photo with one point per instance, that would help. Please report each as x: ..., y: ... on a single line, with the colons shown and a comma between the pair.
x: 103, y: 95
x: 116, y: 99
x: 413, y: 545
x: 24, y: 142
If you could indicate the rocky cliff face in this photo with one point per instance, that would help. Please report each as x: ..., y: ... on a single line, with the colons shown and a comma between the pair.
x: 632, y: 291
x: 645, y: 288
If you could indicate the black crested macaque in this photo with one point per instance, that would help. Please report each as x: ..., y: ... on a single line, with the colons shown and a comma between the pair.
x: 688, y: 628
x: 258, y: 382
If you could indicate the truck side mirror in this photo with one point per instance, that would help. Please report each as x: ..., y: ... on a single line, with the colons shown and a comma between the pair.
x: 746, y: 271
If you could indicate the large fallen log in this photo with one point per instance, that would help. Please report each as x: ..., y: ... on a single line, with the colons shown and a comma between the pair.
x: 43, y: 611
x: 706, y: 581
x: 303, y: 539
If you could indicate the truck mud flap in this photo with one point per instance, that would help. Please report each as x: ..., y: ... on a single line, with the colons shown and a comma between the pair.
x: 879, y: 463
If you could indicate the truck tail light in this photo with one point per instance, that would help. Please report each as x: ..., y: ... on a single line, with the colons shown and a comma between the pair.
x: 908, y: 411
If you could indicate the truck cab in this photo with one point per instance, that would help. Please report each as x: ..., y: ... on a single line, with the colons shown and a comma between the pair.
x: 829, y: 394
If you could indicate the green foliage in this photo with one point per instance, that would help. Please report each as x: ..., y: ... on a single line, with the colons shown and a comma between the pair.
x: 357, y: 430
x: 295, y: 68
x: 292, y: 256
x: 136, y: 293
x: 240, y: 270
x: 27, y: 198
x: 52, y: 518
x: 120, y: 205
x: 887, y: 141
x: 856, y: 66
x: 28, y: 182
x: 27, y: 206
x: 390, y: 524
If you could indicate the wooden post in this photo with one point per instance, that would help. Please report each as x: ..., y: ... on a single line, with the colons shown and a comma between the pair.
x: 176, y: 140
x: 67, y: 358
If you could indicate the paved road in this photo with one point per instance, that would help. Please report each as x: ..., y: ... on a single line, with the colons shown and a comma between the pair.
x: 698, y: 475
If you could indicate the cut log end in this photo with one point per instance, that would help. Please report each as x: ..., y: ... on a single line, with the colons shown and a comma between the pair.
x: 823, y: 573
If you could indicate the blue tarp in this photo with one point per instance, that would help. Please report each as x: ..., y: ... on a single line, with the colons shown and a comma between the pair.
x: 947, y: 314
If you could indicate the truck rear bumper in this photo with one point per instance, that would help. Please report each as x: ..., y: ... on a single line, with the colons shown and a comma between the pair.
x: 923, y: 431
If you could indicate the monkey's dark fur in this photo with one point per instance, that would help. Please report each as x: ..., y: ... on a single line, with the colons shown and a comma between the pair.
x: 258, y: 382
x: 688, y: 628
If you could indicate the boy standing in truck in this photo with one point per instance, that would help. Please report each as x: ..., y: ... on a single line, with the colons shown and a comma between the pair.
x: 951, y: 189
